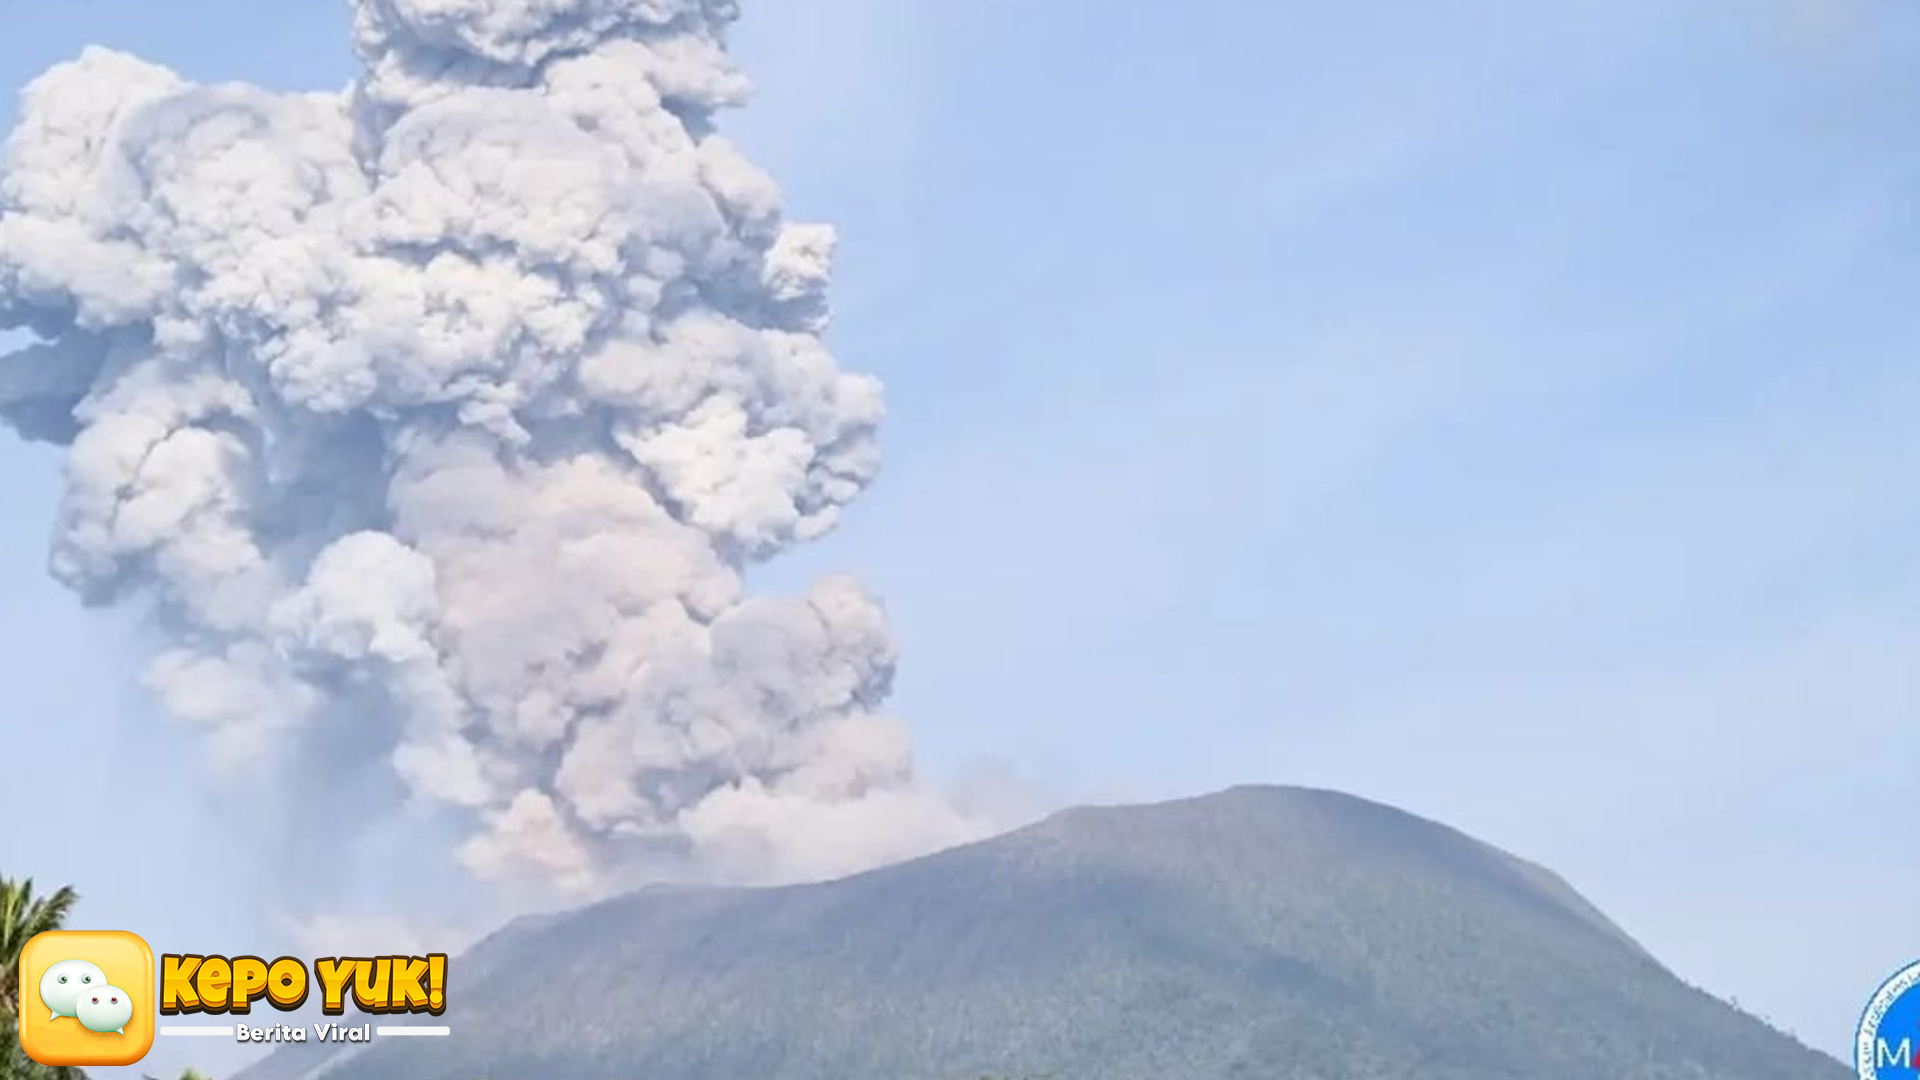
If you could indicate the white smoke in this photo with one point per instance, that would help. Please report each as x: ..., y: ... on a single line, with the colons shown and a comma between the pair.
x: 465, y: 396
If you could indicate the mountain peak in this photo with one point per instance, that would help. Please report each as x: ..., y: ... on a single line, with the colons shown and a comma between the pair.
x: 1258, y: 931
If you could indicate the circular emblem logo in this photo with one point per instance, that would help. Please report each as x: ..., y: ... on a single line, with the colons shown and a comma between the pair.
x: 1889, y: 1036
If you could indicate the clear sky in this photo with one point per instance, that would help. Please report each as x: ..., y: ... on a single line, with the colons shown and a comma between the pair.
x: 1503, y: 410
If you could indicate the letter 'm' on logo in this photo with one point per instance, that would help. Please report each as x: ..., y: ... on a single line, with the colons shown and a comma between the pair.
x: 1895, y: 1011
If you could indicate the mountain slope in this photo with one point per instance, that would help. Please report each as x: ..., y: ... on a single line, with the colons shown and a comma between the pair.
x: 1261, y: 933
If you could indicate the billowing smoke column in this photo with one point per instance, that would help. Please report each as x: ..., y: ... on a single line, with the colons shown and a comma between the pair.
x: 462, y: 399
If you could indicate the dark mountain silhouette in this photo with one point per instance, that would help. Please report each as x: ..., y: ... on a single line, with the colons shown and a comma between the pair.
x: 1260, y: 933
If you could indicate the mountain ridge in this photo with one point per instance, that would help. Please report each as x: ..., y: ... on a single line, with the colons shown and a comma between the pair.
x: 1257, y: 931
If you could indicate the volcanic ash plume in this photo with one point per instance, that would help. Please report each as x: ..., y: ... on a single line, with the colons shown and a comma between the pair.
x: 462, y: 399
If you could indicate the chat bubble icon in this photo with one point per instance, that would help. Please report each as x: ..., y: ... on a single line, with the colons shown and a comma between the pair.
x: 104, y: 1008
x: 64, y: 982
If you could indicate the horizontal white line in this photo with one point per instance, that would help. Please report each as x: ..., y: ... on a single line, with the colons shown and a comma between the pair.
x: 196, y: 1029
x: 411, y: 1030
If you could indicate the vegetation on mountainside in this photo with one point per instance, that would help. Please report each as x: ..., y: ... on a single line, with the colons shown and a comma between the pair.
x: 1248, y: 935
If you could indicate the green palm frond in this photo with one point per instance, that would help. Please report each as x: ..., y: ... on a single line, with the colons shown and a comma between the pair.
x: 23, y: 915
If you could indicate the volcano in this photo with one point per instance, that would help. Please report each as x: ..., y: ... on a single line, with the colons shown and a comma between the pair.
x: 1261, y: 932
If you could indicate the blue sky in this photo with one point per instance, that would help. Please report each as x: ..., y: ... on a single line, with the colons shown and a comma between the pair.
x: 1504, y: 412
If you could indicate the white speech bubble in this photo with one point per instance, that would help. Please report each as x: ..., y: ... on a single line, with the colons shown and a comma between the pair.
x: 104, y: 1008
x: 60, y: 987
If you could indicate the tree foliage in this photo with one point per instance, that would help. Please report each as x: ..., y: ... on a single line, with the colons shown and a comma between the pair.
x: 23, y: 915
